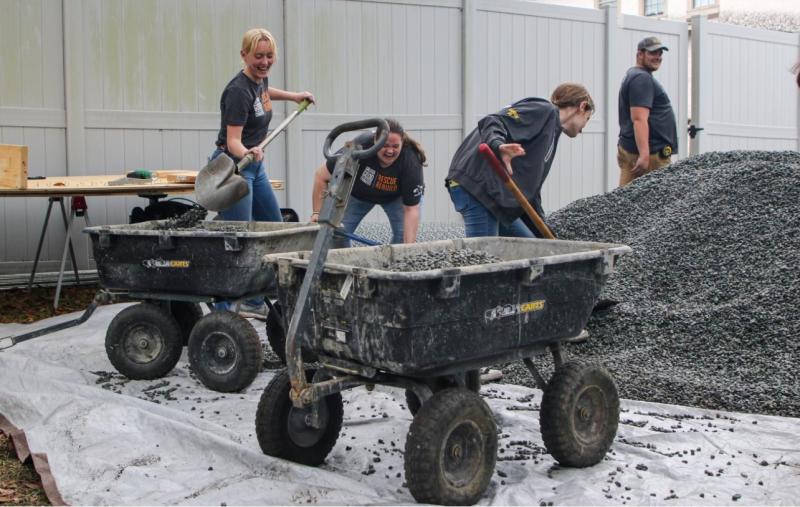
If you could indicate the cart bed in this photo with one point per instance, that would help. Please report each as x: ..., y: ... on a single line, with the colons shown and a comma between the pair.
x: 442, y: 320
x: 215, y: 258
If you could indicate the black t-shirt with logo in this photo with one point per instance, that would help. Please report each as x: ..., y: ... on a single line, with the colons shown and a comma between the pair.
x: 245, y: 103
x: 381, y: 185
x: 641, y: 89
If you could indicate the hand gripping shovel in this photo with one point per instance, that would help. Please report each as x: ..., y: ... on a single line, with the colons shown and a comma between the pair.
x: 509, y: 183
x: 218, y: 185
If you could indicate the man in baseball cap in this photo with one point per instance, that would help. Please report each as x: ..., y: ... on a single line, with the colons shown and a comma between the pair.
x: 647, y: 129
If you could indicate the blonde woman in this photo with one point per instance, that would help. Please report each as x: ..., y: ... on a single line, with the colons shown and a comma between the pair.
x: 246, y: 110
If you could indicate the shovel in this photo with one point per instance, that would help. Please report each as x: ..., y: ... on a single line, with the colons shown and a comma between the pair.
x: 509, y: 183
x: 218, y: 185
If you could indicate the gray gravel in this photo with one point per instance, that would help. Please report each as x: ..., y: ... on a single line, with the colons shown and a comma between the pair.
x: 708, y: 299
x: 708, y: 312
x: 442, y: 259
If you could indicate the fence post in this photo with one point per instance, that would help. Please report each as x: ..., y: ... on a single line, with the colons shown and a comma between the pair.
x: 701, y: 83
x: 613, y: 49
x: 468, y: 13
x: 292, y: 29
x: 72, y: 25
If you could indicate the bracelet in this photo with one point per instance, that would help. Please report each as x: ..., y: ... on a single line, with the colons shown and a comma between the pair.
x: 314, y: 213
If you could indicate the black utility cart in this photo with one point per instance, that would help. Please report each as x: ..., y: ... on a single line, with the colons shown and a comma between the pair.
x: 171, y: 272
x: 429, y: 332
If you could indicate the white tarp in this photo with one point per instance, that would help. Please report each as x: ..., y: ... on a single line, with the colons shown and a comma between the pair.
x: 172, y: 441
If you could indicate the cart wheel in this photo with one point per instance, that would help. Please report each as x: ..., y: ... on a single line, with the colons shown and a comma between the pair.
x: 472, y: 380
x: 276, y: 336
x: 282, y: 430
x: 225, y: 352
x: 451, y: 449
x: 143, y: 342
x: 186, y: 314
x: 579, y: 414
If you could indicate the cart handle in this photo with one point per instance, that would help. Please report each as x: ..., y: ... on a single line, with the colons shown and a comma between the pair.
x: 379, y: 123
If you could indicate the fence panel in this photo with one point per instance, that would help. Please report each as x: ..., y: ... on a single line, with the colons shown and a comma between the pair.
x: 529, y: 49
x: 394, y: 58
x: 745, y: 97
x: 112, y: 85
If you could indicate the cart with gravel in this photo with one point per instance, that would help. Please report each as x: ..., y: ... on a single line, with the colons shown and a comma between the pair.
x: 171, y: 271
x: 425, y: 317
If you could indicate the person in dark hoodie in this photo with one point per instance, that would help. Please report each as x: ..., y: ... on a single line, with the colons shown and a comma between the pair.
x: 524, y: 137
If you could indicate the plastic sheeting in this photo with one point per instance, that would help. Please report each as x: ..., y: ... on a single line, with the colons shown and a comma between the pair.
x: 109, y: 440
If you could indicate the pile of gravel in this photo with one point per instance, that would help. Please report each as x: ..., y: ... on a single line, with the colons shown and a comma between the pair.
x: 708, y: 312
x: 780, y: 21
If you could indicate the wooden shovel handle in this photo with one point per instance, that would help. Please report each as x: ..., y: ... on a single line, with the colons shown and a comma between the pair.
x: 500, y: 170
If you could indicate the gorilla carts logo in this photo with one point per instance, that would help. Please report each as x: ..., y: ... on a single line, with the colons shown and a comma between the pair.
x: 509, y: 310
x: 165, y: 263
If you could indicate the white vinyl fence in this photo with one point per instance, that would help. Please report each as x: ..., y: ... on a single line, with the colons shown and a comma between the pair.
x: 107, y: 86
x: 744, y: 97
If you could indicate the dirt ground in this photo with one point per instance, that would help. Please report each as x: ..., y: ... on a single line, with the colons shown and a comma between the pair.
x: 19, y: 482
x: 24, y: 307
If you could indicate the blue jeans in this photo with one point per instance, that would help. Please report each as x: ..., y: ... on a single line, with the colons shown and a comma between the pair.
x: 357, y: 209
x: 479, y: 221
x: 260, y: 204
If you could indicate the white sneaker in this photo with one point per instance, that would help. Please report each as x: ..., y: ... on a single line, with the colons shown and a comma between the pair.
x: 582, y: 337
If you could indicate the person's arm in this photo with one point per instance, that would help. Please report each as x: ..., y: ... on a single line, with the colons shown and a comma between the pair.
x: 641, y: 132
x: 321, y: 178
x: 233, y: 142
x: 298, y: 97
x: 410, y: 223
x: 509, y: 129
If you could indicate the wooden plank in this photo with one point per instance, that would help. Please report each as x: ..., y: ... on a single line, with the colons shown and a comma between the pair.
x: 99, y: 185
x: 13, y: 166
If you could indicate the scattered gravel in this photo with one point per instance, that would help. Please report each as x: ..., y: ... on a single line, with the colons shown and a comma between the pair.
x: 708, y: 299
x: 449, y: 258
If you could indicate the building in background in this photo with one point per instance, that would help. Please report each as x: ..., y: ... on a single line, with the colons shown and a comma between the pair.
x: 781, y: 15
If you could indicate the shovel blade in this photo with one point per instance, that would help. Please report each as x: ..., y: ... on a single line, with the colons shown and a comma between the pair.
x: 217, y: 186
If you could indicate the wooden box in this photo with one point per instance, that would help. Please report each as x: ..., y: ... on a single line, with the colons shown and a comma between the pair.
x: 13, y: 166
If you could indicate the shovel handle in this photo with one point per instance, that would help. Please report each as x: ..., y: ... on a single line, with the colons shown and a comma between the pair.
x: 248, y: 159
x: 500, y: 170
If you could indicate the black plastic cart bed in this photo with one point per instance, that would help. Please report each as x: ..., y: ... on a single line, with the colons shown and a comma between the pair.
x: 172, y: 271
x: 428, y: 332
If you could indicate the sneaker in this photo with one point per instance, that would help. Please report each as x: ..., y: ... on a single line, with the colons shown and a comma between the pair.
x: 252, y: 311
x: 489, y: 375
x: 582, y: 337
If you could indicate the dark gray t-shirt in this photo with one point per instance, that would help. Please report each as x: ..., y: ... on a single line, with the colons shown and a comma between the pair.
x: 245, y: 103
x: 641, y: 89
x: 535, y: 124
x: 380, y: 185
